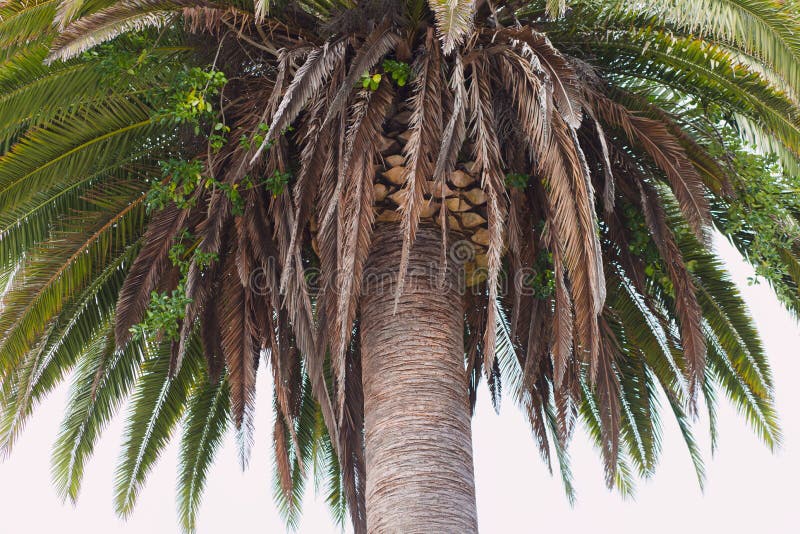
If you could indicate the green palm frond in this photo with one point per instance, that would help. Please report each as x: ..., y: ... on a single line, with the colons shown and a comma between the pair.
x: 204, y: 426
x: 32, y: 222
x: 685, y: 426
x: 640, y: 428
x: 22, y: 21
x: 68, y: 149
x: 736, y: 355
x: 81, y: 321
x: 119, y: 18
x: 710, y: 399
x: 693, y: 67
x: 753, y: 131
x: 36, y: 219
x: 764, y: 29
x: 732, y: 327
x: 66, y: 264
x: 157, y: 406
x: 101, y: 383
x: 32, y: 94
x: 758, y: 410
x: 562, y: 454
x: 643, y: 333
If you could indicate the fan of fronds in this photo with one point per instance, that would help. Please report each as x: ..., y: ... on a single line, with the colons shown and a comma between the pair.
x: 604, y: 165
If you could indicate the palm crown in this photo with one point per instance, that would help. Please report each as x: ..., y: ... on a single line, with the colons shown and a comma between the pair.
x: 171, y: 172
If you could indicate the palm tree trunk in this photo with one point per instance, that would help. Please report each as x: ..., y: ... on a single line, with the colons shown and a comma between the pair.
x: 418, y: 436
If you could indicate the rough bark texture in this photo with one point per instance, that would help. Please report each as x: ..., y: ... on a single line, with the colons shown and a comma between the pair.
x: 418, y: 435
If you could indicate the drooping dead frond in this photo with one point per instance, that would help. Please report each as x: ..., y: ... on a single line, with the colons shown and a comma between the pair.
x: 351, y: 445
x: 211, y: 337
x: 378, y: 43
x: 562, y: 167
x: 426, y: 134
x: 283, y: 463
x: 357, y: 216
x: 213, y: 19
x: 535, y: 390
x: 558, y: 73
x: 608, y: 406
x: 285, y: 346
x: 475, y: 327
x: 533, y: 103
x: 333, y: 226
x: 202, y: 290
x: 557, y: 326
x: 241, y: 352
x: 456, y: 129
x: 562, y: 324
x: 571, y: 208
x: 690, y: 315
x: 315, y: 150
x: 667, y: 153
x: 519, y: 252
x: 328, y: 253
x: 605, y: 161
x: 452, y: 141
x: 716, y: 177
x: 146, y: 271
x: 307, y: 81
x: 490, y: 167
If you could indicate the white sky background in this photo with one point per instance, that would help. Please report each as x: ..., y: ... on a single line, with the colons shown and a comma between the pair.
x: 748, y: 489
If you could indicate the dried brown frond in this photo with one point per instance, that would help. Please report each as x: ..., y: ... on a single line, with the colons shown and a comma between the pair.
x: 150, y: 265
x: 492, y: 176
x: 690, y: 315
x: 309, y: 78
x: 557, y: 72
x: 282, y: 462
x: 212, y: 19
x: 356, y: 215
x: 562, y: 324
x: 607, y: 390
x: 240, y: 350
x: 475, y: 323
x: 667, y: 152
x: 378, y: 43
x: 717, y: 176
x: 571, y: 211
x: 452, y: 141
x: 426, y: 135
x: 316, y: 141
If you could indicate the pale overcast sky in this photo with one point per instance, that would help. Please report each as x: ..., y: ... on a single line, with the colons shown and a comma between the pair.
x: 748, y: 489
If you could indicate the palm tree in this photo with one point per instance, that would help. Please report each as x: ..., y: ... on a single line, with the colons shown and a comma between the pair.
x: 389, y: 201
